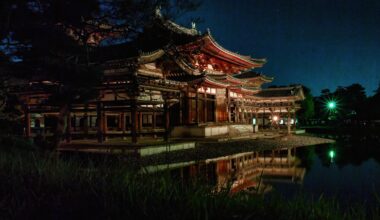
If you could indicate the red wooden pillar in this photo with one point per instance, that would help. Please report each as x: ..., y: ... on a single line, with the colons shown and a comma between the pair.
x: 205, y: 105
x: 228, y: 104
x: 237, y: 112
x: 242, y: 113
x: 134, y: 118
x: 85, y: 124
x: 288, y: 122
x: 154, y: 119
x: 189, y: 106
x: 122, y: 123
x: 180, y: 109
x: 105, y: 126
x: 294, y: 119
x: 256, y: 119
x: 196, y: 105
x: 263, y: 116
x: 154, y: 115
x: 216, y: 106
x: 27, y: 128
x: 99, y: 114
x: 68, y: 127
x: 167, y: 120
x: 140, y: 114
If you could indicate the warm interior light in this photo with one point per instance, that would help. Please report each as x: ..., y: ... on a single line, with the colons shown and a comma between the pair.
x: 275, y: 118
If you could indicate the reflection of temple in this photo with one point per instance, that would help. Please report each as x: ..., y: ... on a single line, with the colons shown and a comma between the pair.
x: 251, y: 171
x: 171, y: 79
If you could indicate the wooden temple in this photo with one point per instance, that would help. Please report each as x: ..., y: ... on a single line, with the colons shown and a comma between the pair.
x: 173, y: 81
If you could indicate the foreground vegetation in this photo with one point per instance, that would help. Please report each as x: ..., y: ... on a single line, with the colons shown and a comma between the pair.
x: 38, y: 185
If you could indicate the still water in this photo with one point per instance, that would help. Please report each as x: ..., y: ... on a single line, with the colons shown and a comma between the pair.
x: 346, y: 170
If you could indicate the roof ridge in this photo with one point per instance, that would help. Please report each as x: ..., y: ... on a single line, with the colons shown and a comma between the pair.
x: 174, y: 26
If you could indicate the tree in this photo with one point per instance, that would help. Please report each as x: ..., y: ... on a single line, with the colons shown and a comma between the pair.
x: 53, y: 39
x: 373, y: 105
x: 307, y: 106
x: 356, y: 98
x: 351, y: 101
x: 320, y: 104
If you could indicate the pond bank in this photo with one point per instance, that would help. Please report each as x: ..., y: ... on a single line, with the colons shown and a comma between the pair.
x: 206, y: 150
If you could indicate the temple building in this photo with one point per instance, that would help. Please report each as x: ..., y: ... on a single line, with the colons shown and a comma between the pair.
x: 171, y: 81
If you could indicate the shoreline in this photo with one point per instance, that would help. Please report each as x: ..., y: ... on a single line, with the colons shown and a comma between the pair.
x: 207, y: 150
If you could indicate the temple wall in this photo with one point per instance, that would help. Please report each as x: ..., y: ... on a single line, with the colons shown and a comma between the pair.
x: 210, y: 131
x: 185, y: 131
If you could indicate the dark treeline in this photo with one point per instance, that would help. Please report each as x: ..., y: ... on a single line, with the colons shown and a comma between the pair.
x: 347, y: 105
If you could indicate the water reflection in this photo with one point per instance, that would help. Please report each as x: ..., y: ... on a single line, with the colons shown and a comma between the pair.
x: 253, y: 172
x: 350, y: 173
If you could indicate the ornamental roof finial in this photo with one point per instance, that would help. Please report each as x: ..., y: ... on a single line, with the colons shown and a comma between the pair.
x: 157, y: 11
x: 193, y: 25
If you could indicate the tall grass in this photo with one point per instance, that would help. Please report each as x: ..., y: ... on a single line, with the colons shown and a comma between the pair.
x: 40, y: 186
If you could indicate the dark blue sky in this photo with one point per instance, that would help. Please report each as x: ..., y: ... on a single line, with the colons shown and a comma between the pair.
x: 318, y: 43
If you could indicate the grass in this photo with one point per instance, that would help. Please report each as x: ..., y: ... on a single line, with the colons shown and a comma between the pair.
x: 37, y: 185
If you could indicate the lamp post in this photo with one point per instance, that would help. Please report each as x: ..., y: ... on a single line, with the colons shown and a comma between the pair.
x: 331, y: 106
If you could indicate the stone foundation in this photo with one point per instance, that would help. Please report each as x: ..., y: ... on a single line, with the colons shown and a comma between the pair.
x: 210, y: 131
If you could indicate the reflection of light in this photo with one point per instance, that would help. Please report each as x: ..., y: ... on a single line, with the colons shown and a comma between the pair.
x: 275, y: 118
x: 281, y: 122
x: 332, y: 154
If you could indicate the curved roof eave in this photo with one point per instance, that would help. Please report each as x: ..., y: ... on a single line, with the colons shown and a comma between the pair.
x: 253, y: 61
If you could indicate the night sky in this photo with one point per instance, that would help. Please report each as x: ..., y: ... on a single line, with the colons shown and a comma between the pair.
x: 318, y: 43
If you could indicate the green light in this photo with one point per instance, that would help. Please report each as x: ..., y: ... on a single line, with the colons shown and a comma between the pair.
x: 331, y: 105
x: 331, y: 154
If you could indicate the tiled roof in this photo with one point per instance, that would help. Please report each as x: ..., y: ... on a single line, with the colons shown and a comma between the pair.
x: 279, y: 92
x: 252, y: 74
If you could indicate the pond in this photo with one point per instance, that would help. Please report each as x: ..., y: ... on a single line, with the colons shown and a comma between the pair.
x: 348, y: 171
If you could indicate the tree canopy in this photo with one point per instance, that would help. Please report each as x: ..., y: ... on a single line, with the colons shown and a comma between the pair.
x: 51, y: 40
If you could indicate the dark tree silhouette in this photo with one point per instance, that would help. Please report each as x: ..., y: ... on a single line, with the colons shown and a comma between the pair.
x: 53, y: 39
x: 352, y: 101
x: 307, y: 106
x: 373, y: 105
